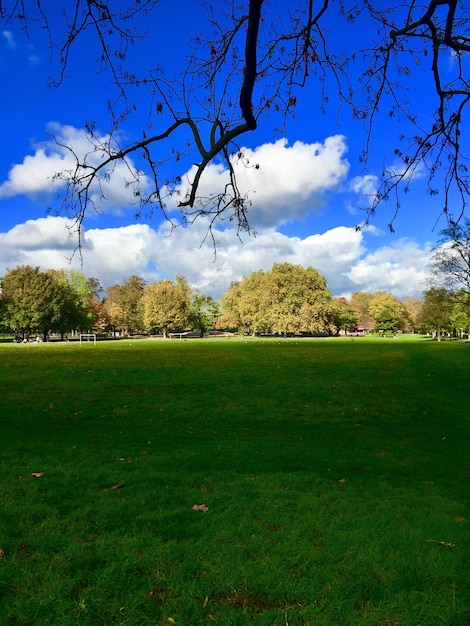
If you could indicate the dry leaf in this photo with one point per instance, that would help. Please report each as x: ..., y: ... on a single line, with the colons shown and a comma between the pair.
x: 342, y: 480
x: 200, y: 507
x: 2, y: 554
x: 460, y: 519
x: 117, y: 487
x: 157, y: 591
x: 37, y: 474
x: 446, y: 544
x: 206, y: 602
x: 442, y: 544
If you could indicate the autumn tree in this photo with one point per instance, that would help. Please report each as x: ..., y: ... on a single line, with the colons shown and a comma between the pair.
x: 253, y: 303
x: 123, y: 305
x: 166, y: 306
x: 229, y: 318
x: 89, y: 291
x: 412, y: 308
x: 287, y: 299
x: 300, y: 300
x: 360, y: 300
x: 248, y: 68
x: 387, y: 312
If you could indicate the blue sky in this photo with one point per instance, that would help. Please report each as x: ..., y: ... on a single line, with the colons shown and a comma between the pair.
x: 305, y: 196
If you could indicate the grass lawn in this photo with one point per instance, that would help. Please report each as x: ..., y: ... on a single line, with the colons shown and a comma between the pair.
x: 335, y: 472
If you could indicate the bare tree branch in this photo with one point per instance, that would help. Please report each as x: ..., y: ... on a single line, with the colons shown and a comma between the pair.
x: 225, y: 94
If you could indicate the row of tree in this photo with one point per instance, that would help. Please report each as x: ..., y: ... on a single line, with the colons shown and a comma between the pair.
x: 34, y: 302
x: 288, y: 299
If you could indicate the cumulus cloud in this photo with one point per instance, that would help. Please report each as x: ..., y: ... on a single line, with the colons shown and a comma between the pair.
x: 36, y: 176
x: 112, y: 254
x: 402, y: 267
x: 283, y: 183
x: 40, y: 234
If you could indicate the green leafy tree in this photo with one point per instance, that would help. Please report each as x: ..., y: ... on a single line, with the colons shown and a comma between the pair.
x: 38, y: 301
x: 203, y: 312
x: 346, y: 317
x: 437, y: 311
x: 387, y: 312
x: 166, y: 306
x: 461, y: 315
x: 82, y: 291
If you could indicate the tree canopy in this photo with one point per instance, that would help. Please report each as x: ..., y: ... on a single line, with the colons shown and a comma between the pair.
x: 248, y: 68
x: 437, y: 310
x: 387, y: 312
x: 287, y: 299
x: 166, y: 305
x: 34, y: 301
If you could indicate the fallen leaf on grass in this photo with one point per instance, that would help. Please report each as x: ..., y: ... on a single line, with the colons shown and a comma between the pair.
x: 206, y: 602
x: 460, y: 519
x: 342, y: 480
x: 117, y: 487
x: 2, y: 554
x: 200, y: 507
x: 442, y: 544
x: 157, y: 591
x: 37, y: 474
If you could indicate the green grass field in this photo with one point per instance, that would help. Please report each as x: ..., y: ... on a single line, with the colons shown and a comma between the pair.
x: 335, y: 472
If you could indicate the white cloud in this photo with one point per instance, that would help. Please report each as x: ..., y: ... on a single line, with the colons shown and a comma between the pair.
x: 400, y: 269
x: 365, y: 185
x: 9, y: 39
x: 113, y: 254
x: 283, y: 183
x: 36, y: 175
x: 41, y: 234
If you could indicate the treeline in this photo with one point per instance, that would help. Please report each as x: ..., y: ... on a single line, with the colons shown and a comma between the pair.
x: 288, y: 299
